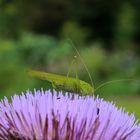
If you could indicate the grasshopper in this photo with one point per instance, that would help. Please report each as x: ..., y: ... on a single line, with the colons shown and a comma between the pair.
x: 64, y: 83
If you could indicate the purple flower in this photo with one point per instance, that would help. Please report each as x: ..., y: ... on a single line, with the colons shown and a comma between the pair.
x: 50, y: 115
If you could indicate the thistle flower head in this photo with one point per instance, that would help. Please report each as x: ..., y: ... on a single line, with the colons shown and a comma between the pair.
x: 47, y: 115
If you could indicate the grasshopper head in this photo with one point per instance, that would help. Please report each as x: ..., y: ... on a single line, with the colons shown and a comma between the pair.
x: 86, y: 89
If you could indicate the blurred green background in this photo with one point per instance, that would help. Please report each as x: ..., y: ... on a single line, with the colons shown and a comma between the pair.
x: 39, y: 34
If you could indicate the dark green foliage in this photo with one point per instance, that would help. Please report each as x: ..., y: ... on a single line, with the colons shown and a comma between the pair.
x: 106, y: 21
x: 9, y: 22
x: 35, y: 50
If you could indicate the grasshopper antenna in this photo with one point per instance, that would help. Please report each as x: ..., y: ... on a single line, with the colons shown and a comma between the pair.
x: 72, y: 44
x: 114, y: 81
x: 73, y: 61
x: 77, y: 78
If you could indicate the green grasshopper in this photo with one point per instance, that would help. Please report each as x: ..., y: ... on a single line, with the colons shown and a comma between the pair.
x: 64, y: 83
